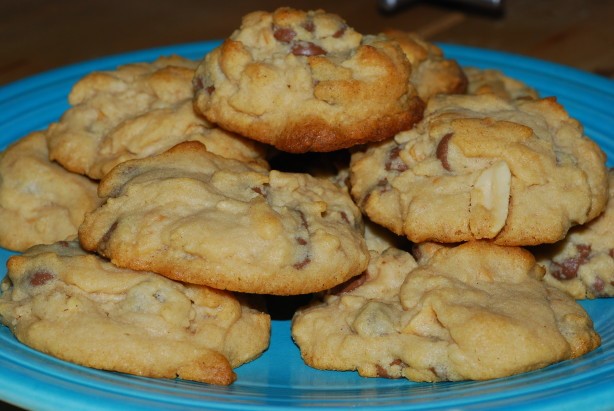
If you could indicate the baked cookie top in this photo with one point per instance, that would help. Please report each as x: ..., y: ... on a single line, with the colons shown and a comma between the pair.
x: 196, y: 217
x: 474, y: 312
x: 78, y: 307
x: 306, y: 81
x: 583, y: 262
x: 40, y: 202
x: 490, y: 81
x: 517, y: 172
x: 431, y: 72
x: 136, y: 111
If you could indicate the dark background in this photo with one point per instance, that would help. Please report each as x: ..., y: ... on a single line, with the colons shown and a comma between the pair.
x: 38, y: 35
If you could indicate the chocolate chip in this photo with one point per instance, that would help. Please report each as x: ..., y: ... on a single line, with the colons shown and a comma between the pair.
x: 102, y: 245
x: 394, y: 161
x: 262, y: 190
x: 301, y: 241
x: 41, y: 278
x: 210, y: 89
x: 309, y: 26
x: 345, y: 218
x: 285, y: 35
x: 599, y: 285
x: 442, y: 151
x: 300, y: 265
x: 568, y: 269
x: 307, y: 48
x: 197, y: 84
x: 340, y: 32
x: 350, y: 285
x: 399, y: 362
x: 381, y: 371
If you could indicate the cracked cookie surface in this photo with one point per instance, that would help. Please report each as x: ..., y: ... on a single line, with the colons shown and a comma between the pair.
x: 517, y: 172
x: 473, y: 312
x: 40, y: 202
x: 306, y: 81
x: 431, y: 72
x: 199, y: 218
x: 138, y: 110
x: 78, y: 307
x: 490, y: 81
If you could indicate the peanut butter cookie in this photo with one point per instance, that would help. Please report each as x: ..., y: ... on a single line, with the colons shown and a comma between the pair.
x: 476, y: 311
x: 136, y: 111
x: 40, y: 202
x: 517, y: 172
x: 306, y: 81
x: 196, y: 217
x: 78, y: 307
x: 583, y: 263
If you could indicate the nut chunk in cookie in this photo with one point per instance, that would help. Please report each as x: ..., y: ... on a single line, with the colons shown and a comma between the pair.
x: 135, y: 111
x: 517, y: 172
x: 472, y: 312
x: 196, y: 217
x: 306, y: 81
x: 40, y: 202
x: 78, y: 307
x: 583, y: 262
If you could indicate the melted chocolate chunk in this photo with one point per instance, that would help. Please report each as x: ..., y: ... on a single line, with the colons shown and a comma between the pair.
x: 285, y: 35
x: 262, y: 190
x: 442, y: 151
x: 102, y: 245
x: 568, y: 268
x: 41, y: 278
x: 302, y: 264
x: 309, y: 26
x: 307, y: 48
x: 394, y: 161
x: 350, y: 285
x: 340, y: 32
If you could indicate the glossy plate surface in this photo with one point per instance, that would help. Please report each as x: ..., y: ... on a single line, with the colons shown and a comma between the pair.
x: 279, y: 379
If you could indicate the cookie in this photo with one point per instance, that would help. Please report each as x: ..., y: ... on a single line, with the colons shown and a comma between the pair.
x: 136, y: 111
x: 477, y: 311
x: 196, y: 217
x: 490, y: 81
x: 306, y: 81
x: 431, y: 72
x: 582, y: 264
x: 78, y: 307
x: 517, y: 172
x: 40, y: 202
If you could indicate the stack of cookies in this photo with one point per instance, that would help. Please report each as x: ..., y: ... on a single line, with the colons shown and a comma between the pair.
x: 304, y: 158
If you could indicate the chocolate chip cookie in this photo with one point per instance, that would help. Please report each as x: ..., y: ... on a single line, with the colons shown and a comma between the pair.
x: 476, y: 311
x: 517, y: 172
x: 78, y: 307
x: 40, y: 202
x: 197, y: 217
x: 583, y: 263
x: 306, y: 81
x: 138, y: 110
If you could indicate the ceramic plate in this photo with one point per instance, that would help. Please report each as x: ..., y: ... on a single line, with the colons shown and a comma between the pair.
x: 279, y: 379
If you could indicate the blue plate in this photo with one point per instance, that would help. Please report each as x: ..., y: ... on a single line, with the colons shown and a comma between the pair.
x: 279, y: 379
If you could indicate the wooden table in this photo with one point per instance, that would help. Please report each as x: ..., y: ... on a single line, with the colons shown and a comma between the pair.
x: 38, y: 35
